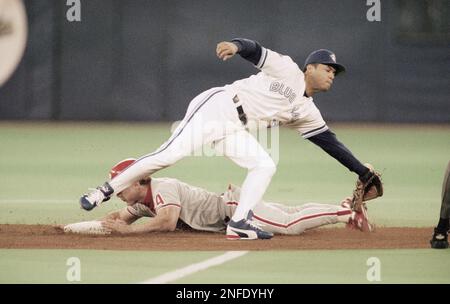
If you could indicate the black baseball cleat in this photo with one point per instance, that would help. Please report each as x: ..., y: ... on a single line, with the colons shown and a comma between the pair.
x: 246, y: 230
x: 96, y: 197
x: 439, y: 239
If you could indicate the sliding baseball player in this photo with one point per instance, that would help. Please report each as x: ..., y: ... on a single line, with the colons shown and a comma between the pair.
x: 170, y: 203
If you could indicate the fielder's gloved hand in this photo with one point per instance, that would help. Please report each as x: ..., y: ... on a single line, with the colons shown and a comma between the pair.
x: 368, y: 187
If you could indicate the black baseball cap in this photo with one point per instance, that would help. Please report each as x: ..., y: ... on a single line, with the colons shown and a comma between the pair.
x: 324, y: 56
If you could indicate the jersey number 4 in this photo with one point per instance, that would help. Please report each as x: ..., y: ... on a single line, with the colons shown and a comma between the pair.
x: 159, y: 200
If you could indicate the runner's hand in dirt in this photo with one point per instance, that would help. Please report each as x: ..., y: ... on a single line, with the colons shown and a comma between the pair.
x: 117, y: 226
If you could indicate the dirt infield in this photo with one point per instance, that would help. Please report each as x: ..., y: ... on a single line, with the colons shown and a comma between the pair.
x: 49, y: 237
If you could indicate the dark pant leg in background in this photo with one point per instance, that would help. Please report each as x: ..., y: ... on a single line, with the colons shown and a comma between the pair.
x: 445, y: 207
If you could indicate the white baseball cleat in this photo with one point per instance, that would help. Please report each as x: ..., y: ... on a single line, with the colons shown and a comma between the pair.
x: 360, y: 221
x: 347, y: 202
x: 96, y: 197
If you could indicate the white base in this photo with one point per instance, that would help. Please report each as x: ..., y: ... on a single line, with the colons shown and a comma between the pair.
x: 90, y: 227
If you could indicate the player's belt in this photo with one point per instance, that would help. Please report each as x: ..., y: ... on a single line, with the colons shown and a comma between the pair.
x: 240, y: 110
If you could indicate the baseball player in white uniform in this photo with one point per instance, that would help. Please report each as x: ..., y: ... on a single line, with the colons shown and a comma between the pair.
x: 172, y: 204
x: 281, y: 93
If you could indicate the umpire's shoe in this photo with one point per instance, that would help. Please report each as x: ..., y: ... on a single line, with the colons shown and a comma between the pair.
x: 96, y: 197
x: 439, y: 239
x: 246, y: 230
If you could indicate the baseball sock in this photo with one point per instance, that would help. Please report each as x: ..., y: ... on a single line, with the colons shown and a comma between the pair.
x: 252, y: 191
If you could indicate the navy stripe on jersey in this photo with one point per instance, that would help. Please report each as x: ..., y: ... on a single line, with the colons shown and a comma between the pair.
x: 314, y: 132
x: 263, y: 58
x: 174, y: 136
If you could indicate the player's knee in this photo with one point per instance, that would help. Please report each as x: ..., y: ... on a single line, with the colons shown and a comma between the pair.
x: 271, y: 169
x: 267, y: 168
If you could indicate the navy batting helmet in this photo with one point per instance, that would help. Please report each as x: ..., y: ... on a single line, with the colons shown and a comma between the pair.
x: 324, y: 57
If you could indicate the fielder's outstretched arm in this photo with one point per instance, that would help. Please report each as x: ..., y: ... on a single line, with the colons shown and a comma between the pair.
x: 329, y: 143
x: 246, y: 48
x: 269, y: 62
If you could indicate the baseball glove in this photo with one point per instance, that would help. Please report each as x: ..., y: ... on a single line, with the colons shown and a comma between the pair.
x: 369, y: 190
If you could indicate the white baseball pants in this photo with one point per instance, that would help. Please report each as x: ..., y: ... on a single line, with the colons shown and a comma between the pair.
x: 211, y: 118
x: 281, y: 219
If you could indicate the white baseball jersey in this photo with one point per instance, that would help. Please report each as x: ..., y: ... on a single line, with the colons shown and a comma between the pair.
x: 276, y: 95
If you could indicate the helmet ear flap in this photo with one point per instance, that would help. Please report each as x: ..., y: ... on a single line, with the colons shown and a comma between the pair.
x: 120, y: 166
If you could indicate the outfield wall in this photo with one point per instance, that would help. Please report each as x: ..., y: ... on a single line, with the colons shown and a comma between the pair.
x: 144, y: 60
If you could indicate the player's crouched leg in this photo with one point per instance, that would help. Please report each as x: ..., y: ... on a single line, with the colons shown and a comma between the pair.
x: 254, y: 187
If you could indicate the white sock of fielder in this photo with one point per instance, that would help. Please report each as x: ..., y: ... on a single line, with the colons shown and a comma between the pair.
x: 252, y: 190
